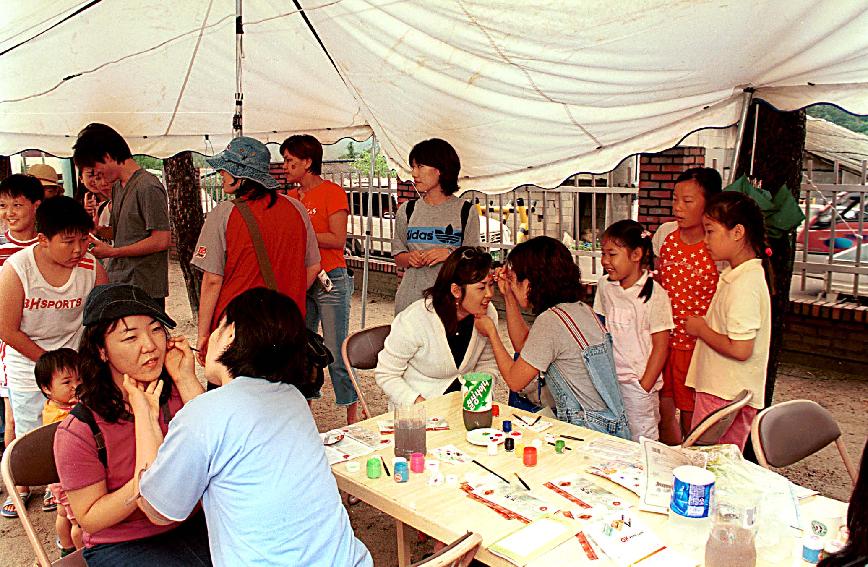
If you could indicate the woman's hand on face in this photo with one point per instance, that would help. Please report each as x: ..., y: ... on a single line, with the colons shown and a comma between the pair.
x: 143, y: 397
x: 485, y: 326
x: 179, y: 359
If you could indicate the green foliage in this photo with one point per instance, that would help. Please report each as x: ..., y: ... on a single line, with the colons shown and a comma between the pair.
x: 351, y: 152
x: 148, y: 162
x: 363, y: 164
x: 837, y: 116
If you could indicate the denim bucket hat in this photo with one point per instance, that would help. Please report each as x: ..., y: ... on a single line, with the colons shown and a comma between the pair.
x: 114, y: 301
x: 245, y: 158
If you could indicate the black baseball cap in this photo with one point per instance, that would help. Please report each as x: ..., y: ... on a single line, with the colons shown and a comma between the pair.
x: 114, y: 301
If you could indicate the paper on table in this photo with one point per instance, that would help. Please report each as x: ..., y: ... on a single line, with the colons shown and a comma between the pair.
x: 539, y: 426
x: 512, y: 502
x: 623, y: 473
x: 450, y: 454
x: 626, y: 540
x: 584, y: 492
x: 364, y: 435
x: 610, y: 448
x: 659, y: 461
x: 345, y: 450
x: 534, y: 539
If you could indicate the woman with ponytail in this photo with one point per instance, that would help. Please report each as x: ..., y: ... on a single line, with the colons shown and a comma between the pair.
x: 732, y: 349
x: 637, y: 313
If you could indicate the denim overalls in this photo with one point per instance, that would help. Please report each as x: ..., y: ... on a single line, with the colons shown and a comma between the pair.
x: 600, y: 363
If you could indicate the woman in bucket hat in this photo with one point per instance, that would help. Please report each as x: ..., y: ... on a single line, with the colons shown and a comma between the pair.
x: 125, y: 346
x: 48, y: 177
x: 226, y: 252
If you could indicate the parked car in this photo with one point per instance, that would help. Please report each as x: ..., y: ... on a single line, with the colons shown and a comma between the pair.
x: 842, y: 282
x: 847, y: 234
x: 383, y: 209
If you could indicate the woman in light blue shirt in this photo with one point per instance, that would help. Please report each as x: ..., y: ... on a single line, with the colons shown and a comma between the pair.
x: 249, y: 450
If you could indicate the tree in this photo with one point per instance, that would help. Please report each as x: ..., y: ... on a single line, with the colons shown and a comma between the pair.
x: 185, y: 211
x: 780, y: 145
x: 363, y: 164
x: 148, y: 162
x: 351, y: 152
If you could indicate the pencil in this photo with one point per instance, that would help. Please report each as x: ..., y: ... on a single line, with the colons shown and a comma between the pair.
x: 539, y: 417
x: 565, y: 447
x: 523, y: 483
x: 475, y: 462
x: 571, y: 437
x: 385, y: 468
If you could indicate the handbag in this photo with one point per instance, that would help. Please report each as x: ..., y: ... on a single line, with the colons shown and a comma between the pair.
x: 317, y: 354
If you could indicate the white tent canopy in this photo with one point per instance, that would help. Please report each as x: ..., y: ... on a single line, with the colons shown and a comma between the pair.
x: 528, y: 92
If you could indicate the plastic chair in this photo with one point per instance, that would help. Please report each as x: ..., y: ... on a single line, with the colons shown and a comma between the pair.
x: 459, y: 553
x: 29, y: 461
x: 787, y: 432
x: 714, y: 425
x: 360, y: 351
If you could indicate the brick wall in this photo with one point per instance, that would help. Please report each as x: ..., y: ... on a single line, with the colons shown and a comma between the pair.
x: 828, y: 335
x: 657, y: 175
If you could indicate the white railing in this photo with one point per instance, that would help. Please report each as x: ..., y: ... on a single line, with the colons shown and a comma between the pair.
x: 832, y: 244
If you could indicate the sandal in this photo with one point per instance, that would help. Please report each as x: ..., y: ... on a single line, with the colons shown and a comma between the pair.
x: 9, y: 510
x: 49, y: 504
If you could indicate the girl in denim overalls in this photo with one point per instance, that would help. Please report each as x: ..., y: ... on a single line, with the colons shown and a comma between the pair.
x: 566, y: 343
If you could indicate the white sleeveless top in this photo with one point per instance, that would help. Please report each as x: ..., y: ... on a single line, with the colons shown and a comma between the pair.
x: 52, y: 315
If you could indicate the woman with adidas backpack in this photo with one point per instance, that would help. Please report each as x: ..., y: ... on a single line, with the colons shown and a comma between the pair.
x: 125, y: 344
x: 427, y: 230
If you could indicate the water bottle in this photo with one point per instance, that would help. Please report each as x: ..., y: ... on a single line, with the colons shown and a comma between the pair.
x: 690, y: 507
x: 477, y: 390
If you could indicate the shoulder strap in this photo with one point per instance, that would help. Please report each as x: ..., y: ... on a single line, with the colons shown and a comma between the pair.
x: 574, y: 329
x: 465, y: 213
x: 82, y: 413
x: 258, y: 244
x: 410, y: 206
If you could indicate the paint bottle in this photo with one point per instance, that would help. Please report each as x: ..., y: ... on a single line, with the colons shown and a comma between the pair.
x: 374, y: 467
x: 529, y: 457
x: 417, y: 463
x: 401, y: 469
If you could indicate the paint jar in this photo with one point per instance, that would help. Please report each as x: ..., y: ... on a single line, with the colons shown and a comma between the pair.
x: 374, y: 467
x: 495, y: 410
x: 529, y: 456
x: 811, y: 548
x: 506, y: 426
x: 509, y: 444
x: 417, y: 463
x: 492, y: 448
x: 519, y: 450
x: 401, y: 469
x: 559, y: 446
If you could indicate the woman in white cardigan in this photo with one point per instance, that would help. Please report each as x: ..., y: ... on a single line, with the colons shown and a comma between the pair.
x: 434, y: 341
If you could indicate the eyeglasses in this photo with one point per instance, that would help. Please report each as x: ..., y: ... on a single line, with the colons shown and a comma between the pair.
x: 472, y: 252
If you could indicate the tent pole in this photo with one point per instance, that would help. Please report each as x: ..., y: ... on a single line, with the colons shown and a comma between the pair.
x: 370, y: 222
x: 237, y: 129
x: 748, y: 98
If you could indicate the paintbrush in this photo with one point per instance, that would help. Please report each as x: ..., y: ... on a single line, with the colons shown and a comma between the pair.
x: 475, y: 462
x: 523, y: 483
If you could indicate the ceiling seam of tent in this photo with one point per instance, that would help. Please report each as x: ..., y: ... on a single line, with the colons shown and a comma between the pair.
x: 319, y: 41
x: 51, y: 27
x: 110, y: 63
x: 189, y: 67
x: 527, y: 75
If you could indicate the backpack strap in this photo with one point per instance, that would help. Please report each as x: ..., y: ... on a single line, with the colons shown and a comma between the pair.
x: 82, y: 413
x: 258, y: 243
x: 409, y: 210
x: 465, y: 213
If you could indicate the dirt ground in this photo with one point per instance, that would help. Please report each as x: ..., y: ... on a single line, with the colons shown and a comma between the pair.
x: 846, y: 396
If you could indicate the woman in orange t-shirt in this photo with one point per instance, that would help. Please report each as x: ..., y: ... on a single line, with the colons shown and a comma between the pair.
x: 327, y: 206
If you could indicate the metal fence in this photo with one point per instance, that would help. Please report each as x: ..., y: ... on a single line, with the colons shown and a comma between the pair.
x: 831, y: 244
x: 575, y: 213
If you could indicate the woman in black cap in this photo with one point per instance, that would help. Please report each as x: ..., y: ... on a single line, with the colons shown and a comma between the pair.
x: 125, y: 346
